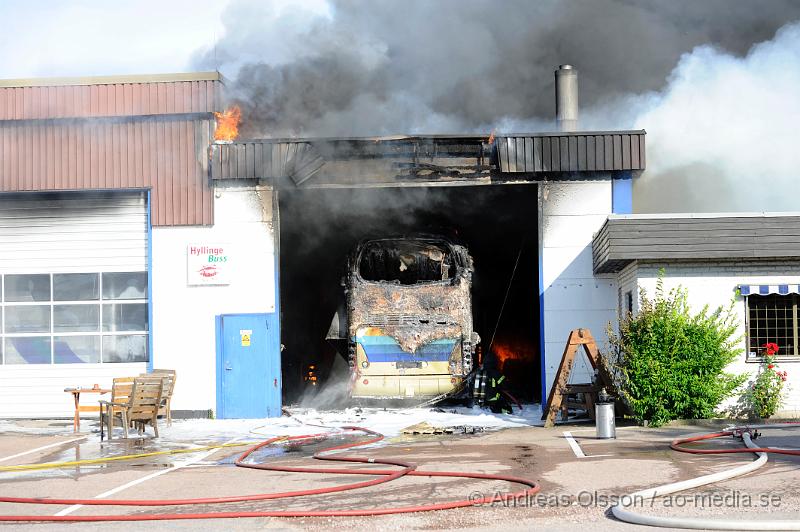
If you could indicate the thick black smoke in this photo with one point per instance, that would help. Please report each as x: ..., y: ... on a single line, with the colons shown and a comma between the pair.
x: 382, y: 67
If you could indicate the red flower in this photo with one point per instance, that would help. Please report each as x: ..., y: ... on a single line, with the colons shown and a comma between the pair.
x: 770, y: 366
x: 771, y: 348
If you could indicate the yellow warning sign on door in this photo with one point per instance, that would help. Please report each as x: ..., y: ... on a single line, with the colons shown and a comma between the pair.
x: 245, y: 334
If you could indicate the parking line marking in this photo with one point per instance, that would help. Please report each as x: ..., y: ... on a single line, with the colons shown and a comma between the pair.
x: 41, y: 448
x: 575, y: 447
x: 178, y: 465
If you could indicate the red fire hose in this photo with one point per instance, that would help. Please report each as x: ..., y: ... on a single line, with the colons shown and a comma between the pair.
x: 677, y: 445
x: 385, y: 476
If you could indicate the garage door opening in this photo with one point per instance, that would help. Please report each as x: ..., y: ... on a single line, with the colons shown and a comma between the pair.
x: 321, y: 227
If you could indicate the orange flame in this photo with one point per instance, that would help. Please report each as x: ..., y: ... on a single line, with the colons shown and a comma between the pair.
x: 228, y: 124
x: 491, y: 137
x: 506, y: 351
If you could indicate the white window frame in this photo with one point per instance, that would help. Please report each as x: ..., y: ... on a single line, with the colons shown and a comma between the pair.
x: 782, y: 357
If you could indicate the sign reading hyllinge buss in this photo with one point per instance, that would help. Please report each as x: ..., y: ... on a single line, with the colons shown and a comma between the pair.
x: 208, y: 264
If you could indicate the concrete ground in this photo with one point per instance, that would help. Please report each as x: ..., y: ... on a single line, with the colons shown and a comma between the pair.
x: 575, y: 490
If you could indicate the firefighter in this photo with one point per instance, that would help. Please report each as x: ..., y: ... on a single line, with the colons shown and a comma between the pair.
x: 495, y: 383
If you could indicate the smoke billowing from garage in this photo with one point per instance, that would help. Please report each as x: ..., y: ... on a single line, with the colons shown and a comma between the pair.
x: 320, y: 227
x: 723, y: 135
x: 469, y: 66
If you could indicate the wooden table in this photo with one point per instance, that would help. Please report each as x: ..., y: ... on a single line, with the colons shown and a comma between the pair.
x: 76, y: 395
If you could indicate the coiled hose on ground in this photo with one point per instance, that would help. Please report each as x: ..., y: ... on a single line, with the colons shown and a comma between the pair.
x: 384, y: 475
x: 621, y: 512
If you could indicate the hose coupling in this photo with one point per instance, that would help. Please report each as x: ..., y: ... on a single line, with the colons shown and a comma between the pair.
x: 739, y: 433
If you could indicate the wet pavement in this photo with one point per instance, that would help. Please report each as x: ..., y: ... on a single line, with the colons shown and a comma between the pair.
x: 578, y: 482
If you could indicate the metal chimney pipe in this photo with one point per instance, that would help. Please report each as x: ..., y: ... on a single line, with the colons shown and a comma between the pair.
x: 566, y: 98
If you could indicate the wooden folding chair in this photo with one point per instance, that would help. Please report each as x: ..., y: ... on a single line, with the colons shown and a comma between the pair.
x: 120, y: 396
x: 165, y: 410
x: 141, y: 408
x: 145, y: 401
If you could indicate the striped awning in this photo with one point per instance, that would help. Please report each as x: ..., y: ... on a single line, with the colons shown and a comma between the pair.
x: 767, y: 289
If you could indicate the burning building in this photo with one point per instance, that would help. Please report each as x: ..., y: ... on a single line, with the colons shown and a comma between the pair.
x: 114, y: 245
x: 525, y: 206
x: 133, y: 239
x: 138, y: 232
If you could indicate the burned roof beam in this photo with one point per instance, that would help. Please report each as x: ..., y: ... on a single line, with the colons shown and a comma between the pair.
x: 372, y: 161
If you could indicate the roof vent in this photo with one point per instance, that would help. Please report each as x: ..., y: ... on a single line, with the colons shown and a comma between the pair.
x: 567, y: 98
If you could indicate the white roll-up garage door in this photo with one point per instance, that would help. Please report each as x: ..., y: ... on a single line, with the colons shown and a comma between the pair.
x: 74, y: 309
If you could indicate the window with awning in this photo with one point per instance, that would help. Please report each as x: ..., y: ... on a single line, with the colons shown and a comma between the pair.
x: 767, y: 289
x: 772, y: 316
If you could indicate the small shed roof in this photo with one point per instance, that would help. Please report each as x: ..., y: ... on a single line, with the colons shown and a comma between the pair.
x: 625, y: 238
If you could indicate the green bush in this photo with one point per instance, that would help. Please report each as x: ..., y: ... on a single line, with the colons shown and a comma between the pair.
x: 670, y: 364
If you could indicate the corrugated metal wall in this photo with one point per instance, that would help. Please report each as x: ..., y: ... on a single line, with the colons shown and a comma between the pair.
x: 73, y: 233
x: 168, y: 155
x: 371, y: 160
x: 113, y: 136
x: 111, y: 99
x: 578, y: 151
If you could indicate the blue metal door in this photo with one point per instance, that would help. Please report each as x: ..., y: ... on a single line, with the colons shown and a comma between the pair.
x: 248, y: 366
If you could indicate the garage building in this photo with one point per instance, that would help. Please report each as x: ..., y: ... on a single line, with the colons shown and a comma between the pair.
x: 131, y: 240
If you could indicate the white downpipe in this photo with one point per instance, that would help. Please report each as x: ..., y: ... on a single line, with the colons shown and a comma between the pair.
x: 697, y: 522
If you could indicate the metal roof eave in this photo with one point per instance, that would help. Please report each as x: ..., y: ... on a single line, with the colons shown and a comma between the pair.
x: 562, y: 155
x: 112, y: 80
x: 623, y: 239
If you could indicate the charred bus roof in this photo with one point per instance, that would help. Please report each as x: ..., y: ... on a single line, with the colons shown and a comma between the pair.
x: 410, y: 260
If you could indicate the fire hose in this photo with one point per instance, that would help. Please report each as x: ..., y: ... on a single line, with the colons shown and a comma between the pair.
x: 410, y: 469
x: 385, y: 475
x: 620, y: 512
x: 97, y: 461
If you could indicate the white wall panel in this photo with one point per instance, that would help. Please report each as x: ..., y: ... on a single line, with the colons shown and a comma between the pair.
x: 36, y: 391
x: 573, y: 296
x: 183, y: 316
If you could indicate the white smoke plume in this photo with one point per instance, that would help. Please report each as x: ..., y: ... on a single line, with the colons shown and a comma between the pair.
x: 723, y: 135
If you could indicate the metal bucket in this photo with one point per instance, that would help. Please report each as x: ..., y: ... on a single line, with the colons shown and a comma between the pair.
x: 604, y: 420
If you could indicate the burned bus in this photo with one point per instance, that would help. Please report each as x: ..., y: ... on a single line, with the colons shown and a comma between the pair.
x: 408, y: 318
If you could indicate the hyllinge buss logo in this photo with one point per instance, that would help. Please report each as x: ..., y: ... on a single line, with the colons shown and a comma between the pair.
x: 208, y: 271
